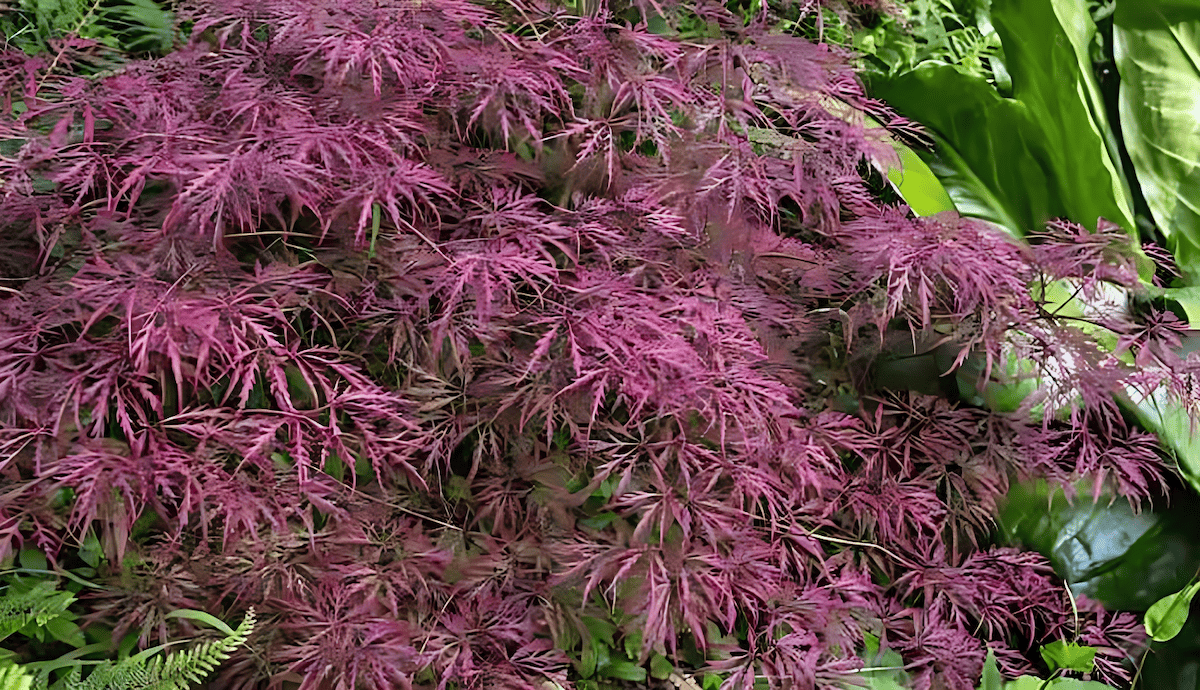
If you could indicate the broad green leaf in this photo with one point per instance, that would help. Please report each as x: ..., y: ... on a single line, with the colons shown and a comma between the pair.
x: 34, y: 559
x: 908, y: 174
x: 1046, y: 152
x: 660, y: 666
x: 1080, y: 538
x: 65, y: 630
x: 587, y: 660
x: 970, y: 195
x: 601, y: 630
x: 990, y: 680
x: 202, y: 617
x: 633, y: 644
x: 623, y: 670
x: 1167, y: 616
x: 1046, y: 48
x: 1031, y: 683
x: 1069, y: 656
x: 917, y: 184
x: 883, y: 671
x: 1105, y: 551
x: 1156, y: 44
x: 1188, y: 298
x: 1176, y: 430
x: 991, y: 143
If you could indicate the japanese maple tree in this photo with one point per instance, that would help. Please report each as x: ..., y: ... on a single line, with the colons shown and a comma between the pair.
x: 461, y: 340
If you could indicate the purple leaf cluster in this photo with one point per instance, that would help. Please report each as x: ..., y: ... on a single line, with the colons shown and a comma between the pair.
x: 435, y: 330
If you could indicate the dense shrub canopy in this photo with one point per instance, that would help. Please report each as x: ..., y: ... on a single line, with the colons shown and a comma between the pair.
x: 456, y: 337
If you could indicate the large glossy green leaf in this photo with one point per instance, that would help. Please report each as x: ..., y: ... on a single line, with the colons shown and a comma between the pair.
x: 1177, y: 431
x: 908, y: 174
x: 1167, y: 616
x: 917, y: 184
x: 990, y: 679
x: 1048, y: 151
x: 996, y: 149
x: 1104, y: 550
x: 883, y: 670
x: 970, y: 195
x: 1156, y: 44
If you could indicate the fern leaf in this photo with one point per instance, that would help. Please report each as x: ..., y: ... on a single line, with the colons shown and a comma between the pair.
x: 175, y: 671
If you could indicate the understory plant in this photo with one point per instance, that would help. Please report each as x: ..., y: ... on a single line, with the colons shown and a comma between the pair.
x: 526, y: 344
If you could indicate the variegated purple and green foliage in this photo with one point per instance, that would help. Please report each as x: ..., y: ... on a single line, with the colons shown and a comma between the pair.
x: 464, y: 340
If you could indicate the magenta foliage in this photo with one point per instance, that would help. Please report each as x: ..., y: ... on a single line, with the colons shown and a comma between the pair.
x: 439, y: 331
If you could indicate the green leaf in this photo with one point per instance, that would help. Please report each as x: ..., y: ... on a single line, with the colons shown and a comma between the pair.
x: 990, y: 680
x: 623, y: 669
x: 376, y: 214
x: 90, y: 550
x: 969, y: 193
x: 1080, y: 538
x: 1066, y: 102
x: 1156, y: 44
x: 1176, y: 429
x: 65, y: 630
x: 660, y: 666
x: 1166, y: 617
x: 883, y: 670
x: 994, y: 146
x: 202, y: 617
x: 1032, y: 683
x: 600, y: 630
x: 34, y: 559
x: 1069, y: 656
x: 633, y: 644
x: 1188, y: 298
x: 588, y: 659
x: 917, y: 184
x: 1125, y: 560
x: 1048, y: 151
x: 14, y: 677
x: 599, y: 521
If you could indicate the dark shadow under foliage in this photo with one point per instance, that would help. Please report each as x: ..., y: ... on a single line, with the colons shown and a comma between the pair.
x: 459, y: 339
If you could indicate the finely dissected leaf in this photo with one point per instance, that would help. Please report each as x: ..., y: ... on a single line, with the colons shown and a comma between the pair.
x: 495, y: 345
x: 1156, y: 45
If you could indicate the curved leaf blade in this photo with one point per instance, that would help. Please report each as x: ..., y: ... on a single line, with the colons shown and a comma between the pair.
x: 1167, y: 616
x: 1157, y: 49
x: 1047, y: 152
x: 1046, y: 50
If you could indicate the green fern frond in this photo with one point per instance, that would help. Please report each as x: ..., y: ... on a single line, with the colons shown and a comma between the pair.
x: 37, y: 603
x: 175, y: 671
